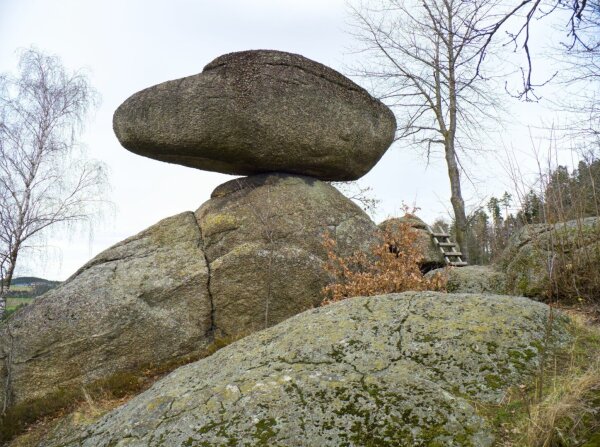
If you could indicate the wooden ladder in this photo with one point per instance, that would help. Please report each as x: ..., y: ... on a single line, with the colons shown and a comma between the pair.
x: 450, y: 250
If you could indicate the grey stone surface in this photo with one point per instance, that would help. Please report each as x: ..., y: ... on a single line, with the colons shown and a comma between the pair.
x: 473, y: 279
x: 260, y: 111
x: 263, y: 237
x: 251, y: 258
x: 143, y: 301
x: 395, y: 370
x: 536, y: 250
x: 432, y: 256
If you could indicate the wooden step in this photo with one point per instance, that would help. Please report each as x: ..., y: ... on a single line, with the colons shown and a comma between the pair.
x: 446, y: 244
x: 440, y: 235
x: 459, y: 264
x: 453, y: 253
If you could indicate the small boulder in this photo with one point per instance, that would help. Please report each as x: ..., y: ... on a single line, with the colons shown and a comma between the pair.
x: 473, y: 279
x: 432, y: 256
x: 537, y: 254
x: 260, y: 111
x: 394, y: 370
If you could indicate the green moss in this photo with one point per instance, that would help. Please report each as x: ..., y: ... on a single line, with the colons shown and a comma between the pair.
x: 494, y: 382
x: 523, y: 285
x: 492, y: 347
x: 218, y: 223
x: 18, y: 417
x: 508, y: 418
x: 593, y: 441
x: 264, y: 431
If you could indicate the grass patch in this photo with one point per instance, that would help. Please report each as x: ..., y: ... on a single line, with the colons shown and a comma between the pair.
x: 11, y: 309
x: 561, y: 406
x: 36, y: 417
x: 17, y: 302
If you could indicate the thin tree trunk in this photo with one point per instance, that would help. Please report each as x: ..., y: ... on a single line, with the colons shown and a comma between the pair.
x: 458, y: 204
x: 2, y: 303
x: 5, y: 287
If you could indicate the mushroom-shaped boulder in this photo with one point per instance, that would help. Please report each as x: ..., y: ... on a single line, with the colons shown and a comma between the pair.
x: 260, y: 111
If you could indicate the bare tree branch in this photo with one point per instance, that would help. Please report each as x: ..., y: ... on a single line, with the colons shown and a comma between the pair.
x: 424, y: 57
x: 42, y: 182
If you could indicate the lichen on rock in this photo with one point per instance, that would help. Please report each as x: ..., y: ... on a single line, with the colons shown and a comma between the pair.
x: 538, y: 253
x: 473, y: 279
x: 392, y: 370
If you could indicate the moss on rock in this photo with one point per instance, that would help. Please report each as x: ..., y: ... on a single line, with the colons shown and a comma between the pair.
x: 393, y: 370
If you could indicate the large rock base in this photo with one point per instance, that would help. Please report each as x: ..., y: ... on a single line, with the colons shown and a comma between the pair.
x: 393, y: 370
x: 249, y: 258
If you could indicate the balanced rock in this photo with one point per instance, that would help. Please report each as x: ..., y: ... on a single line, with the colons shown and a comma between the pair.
x: 432, y: 256
x: 394, y: 370
x: 263, y: 238
x: 260, y: 111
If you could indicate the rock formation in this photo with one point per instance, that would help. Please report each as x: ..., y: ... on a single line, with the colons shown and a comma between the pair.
x: 260, y: 111
x: 534, y: 254
x: 248, y: 258
x: 432, y: 256
x: 263, y: 239
x: 473, y: 279
x: 144, y: 300
x: 396, y: 370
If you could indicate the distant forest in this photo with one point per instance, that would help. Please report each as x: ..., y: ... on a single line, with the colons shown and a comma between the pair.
x: 30, y: 287
x: 561, y: 196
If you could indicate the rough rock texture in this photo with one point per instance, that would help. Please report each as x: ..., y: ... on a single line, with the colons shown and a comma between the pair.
x: 394, y: 370
x: 263, y: 240
x: 252, y: 257
x: 473, y: 279
x: 432, y: 256
x: 142, y: 301
x: 536, y: 250
x: 260, y: 111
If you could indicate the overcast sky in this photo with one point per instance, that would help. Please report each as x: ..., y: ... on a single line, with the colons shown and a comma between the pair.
x: 127, y: 45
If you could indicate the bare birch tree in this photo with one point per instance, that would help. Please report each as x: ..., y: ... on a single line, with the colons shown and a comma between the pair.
x: 423, y: 57
x: 43, y: 181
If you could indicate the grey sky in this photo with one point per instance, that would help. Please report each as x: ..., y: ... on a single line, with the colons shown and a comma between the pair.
x: 127, y: 45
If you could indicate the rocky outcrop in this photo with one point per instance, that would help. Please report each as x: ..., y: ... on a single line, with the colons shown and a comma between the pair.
x: 395, y: 370
x: 249, y: 258
x: 537, y: 253
x: 432, y: 256
x: 260, y: 111
x: 473, y: 279
x: 263, y: 238
x: 143, y: 301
